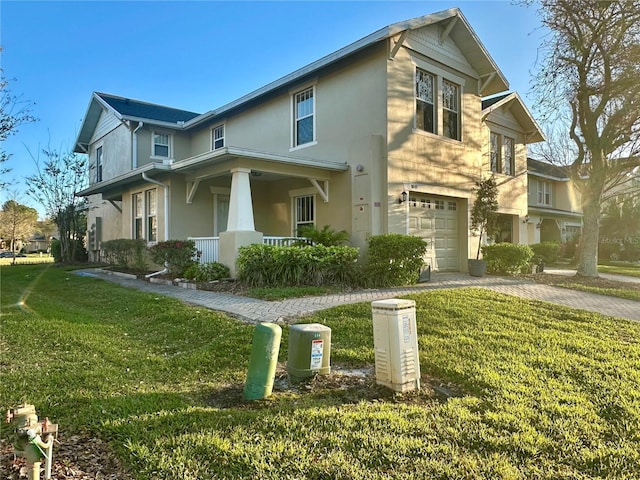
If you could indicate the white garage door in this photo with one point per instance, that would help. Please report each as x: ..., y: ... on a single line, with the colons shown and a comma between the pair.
x: 436, y: 221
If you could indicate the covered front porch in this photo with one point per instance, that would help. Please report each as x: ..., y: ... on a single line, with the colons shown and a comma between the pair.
x: 250, y: 194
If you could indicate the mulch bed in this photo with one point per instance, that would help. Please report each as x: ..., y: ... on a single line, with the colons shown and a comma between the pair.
x: 76, y: 457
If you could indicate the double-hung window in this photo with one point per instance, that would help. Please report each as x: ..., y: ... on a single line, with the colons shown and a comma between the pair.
x: 304, y: 211
x: 508, y: 154
x: 425, y: 105
x: 145, y: 215
x: 138, y: 209
x: 494, y: 150
x: 151, y: 213
x: 438, y: 104
x: 99, y: 164
x: 217, y: 137
x: 502, y: 153
x: 450, y: 110
x: 544, y: 193
x: 161, y: 145
x: 304, y: 117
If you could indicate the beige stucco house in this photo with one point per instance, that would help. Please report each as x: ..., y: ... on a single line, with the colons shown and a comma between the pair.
x: 555, y: 213
x: 387, y: 135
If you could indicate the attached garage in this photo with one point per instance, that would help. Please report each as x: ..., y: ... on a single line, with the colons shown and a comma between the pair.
x: 436, y: 220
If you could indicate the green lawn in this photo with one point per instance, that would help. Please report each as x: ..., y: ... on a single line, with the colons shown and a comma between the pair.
x: 631, y: 270
x: 542, y: 391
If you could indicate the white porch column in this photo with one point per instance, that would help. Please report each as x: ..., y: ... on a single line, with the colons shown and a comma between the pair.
x: 240, y: 225
x: 240, y: 205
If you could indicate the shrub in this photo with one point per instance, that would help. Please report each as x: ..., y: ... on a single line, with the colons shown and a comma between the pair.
x: 325, y: 236
x: 548, y: 252
x: 394, y: 260
x: 56, y: 250
x: 76, y: 248
x: 274, y: 266
x: 507, y: 257
x: 126, y: 253
x: 176, y: 255
x: 206, y: 272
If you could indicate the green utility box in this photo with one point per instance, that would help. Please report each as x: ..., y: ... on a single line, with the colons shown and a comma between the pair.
x: 263, y: 361
x: 309, y: 351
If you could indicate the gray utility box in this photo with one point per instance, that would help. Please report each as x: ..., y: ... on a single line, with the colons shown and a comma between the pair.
x: 309, y: 351
x: 395, y: 342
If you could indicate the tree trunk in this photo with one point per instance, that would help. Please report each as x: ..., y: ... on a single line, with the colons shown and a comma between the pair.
x: 588, y: 251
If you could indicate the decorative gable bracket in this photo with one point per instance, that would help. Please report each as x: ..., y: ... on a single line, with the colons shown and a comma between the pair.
x: 323, y: 192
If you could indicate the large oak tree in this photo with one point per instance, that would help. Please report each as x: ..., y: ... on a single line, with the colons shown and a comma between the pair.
x: 590, y: 78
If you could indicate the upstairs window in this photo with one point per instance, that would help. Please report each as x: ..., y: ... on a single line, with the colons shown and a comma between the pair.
x: 161, y: 145
x: 304, y: 126
x: 99, y: 164
x: 217, y: 137
x: 508, y: 155
x: 450, y: 110
x: 544, y: 193
x: 425, y: 106
x: 494, y: 150
x: 304, y: 211
x: 502, y: 154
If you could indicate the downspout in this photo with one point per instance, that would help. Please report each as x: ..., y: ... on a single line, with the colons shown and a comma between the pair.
x: 134, y: 156
x: 166, y: 217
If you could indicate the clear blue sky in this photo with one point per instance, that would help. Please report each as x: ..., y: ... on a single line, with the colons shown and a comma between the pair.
x: 201, y: 55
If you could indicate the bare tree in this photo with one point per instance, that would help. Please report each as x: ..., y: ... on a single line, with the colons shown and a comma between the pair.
x: 55, y: 185
x: 14, y: 111
x: 588, y: 82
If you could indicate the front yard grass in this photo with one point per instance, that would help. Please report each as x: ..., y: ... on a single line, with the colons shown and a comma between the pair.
x: 540, y: 391
x: 629, y: 269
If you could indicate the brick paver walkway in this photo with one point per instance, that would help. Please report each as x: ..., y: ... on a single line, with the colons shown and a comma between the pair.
x: 254, y: 310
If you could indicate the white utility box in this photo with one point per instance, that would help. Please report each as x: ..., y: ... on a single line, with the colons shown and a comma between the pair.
x: 395, y: 342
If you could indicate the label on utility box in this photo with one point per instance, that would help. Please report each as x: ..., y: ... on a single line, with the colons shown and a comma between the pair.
x: 406, y: 328
x: 317, y: 346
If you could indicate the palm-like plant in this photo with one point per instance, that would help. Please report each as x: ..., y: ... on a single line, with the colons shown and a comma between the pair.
x: 325, y: 236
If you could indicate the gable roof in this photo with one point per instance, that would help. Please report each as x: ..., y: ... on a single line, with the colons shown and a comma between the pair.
x: 455, y: 25
x: 127, y: 109
x: 547, y: 170
x: 514, y: 104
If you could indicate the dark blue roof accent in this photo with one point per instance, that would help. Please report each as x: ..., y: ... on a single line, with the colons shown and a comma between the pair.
x: 486, y: 103
x: 134, y: 108
x: 547, y: 169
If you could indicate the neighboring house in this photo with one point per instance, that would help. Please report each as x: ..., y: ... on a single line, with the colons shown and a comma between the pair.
x: 387, y: 135
x: 37, y: 243
x: 554, y: 204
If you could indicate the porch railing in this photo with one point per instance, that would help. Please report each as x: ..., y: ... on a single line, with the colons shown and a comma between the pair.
x: 210, y: 246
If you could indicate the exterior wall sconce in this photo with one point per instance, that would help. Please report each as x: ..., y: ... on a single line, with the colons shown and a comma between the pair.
x: 403, y: 197
x: 525, y: 219
x: 539, y: 224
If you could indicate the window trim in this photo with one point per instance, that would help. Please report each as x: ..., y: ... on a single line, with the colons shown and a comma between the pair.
x: 458, y: 102
x: 213, y: 139
x: 144, y: 215
x: 99, y: 163
x: 434, y: 104
x: 543, y: 193
x: 149, y: 214
x: 294, y: 119
x: 440, y: 76
x: 135, y: 217
x: 169, y: 145
x: 501, y: 158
